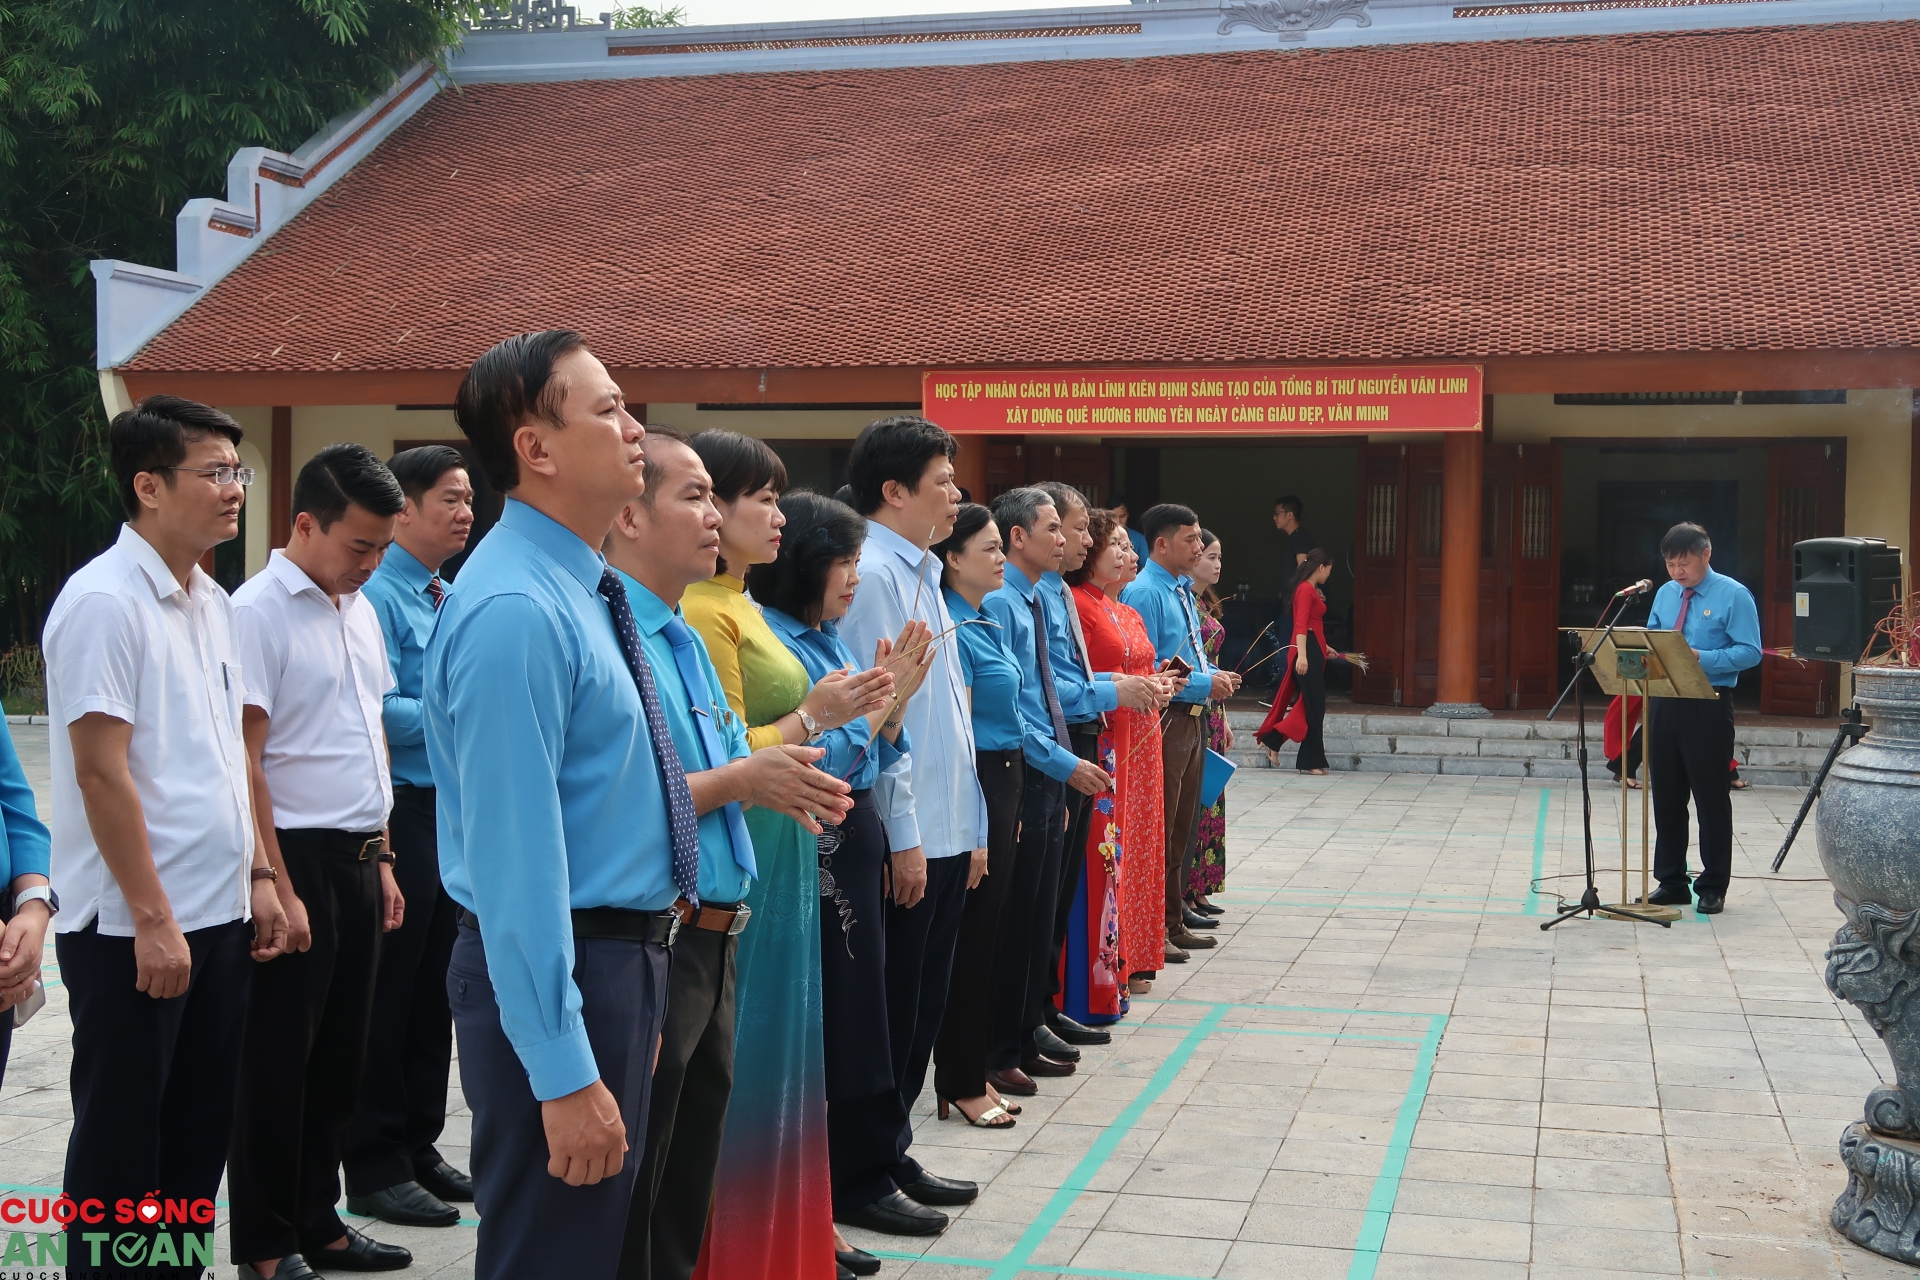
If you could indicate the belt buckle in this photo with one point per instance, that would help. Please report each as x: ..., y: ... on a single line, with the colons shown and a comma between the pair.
x: 673, y: 927
x: 740, y: 918
x: 371, y: 847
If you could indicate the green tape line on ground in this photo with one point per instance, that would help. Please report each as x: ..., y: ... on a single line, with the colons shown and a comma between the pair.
x: 1386, y: 1186
x: 1539, y: 853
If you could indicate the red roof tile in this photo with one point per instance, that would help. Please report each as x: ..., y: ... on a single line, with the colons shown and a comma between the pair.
x: 1722, y: 190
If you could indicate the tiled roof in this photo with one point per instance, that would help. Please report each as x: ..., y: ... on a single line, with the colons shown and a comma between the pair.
x: 1746, y: 190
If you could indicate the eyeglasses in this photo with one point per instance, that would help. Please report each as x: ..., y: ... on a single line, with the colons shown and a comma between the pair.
x: 242, y: 476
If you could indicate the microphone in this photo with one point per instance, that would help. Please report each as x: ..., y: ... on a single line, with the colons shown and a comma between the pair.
x: 1639, y: 588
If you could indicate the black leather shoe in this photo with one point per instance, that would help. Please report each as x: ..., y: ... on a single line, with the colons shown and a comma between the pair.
x: 406, y: 1204
x: 1207, y: 909
x: 1710, y: 904
x: 291, y: 1267
x: 840, y: 1272
x: 933, y: 1189
x: 445, y: 1181
x: 1669, y: 896
x: 1013, y: 1082
x: 857, y: 1262
x: 1073, y: 1033
x: 1044, y: 1041
x: 1042, y: 1065
x: 1197, y: 921
x: 363, y: 1253
x: 895, y: 1215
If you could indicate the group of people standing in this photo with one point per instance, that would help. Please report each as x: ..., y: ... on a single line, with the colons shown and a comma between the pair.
x: 710, y: 816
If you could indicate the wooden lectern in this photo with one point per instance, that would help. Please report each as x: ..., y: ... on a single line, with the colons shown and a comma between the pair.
x: 1635, y: 662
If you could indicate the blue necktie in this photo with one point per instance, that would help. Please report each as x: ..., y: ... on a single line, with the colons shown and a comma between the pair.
x: 1054, y: 712
x: 700, y: 699
x: 682, y: 823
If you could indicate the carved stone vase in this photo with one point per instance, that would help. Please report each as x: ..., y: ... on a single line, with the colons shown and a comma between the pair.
x: 1869, y: 835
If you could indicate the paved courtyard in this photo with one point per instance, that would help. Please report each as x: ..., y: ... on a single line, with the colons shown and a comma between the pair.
x: 1385, y: 1070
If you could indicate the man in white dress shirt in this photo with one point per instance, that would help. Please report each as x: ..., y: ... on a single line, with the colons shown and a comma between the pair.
x: 153, y: 839
x: 316, y: 675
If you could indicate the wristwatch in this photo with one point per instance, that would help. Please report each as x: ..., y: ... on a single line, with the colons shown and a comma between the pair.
x: 808, y: 723
x: 38, y: 893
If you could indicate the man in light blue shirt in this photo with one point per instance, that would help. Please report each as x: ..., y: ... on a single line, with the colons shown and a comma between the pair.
x: 1022, y: 976
x: 1163, y: 596
x: 662, y: 543
x: 901, y: 474
x: 555, y: 832
x: 1689, y: 740
x: 394, y: 1171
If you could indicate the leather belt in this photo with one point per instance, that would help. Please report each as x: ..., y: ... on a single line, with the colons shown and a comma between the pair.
x: 728, y: 918
x: 611, y: 924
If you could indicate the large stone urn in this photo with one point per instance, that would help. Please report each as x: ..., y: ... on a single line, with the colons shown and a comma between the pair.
x: 1869, y: 835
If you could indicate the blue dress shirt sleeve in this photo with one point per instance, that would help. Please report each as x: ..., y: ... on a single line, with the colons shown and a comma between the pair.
x: 509, y: 700
x: 1037, y: 743
x: 878, y: 614
x: 405, y: 717
x: 28, y: 849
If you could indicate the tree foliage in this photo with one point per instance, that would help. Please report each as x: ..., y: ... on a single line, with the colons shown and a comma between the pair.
x: 634, y: 17
x: 112, y: 114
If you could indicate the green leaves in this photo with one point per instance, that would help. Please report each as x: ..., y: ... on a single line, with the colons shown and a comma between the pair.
x: 112, y: 114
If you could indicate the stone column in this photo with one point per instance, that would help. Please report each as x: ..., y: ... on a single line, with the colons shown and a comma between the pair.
x: 1460, y: 578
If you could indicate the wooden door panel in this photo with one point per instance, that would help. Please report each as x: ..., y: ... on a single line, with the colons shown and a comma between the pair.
x: 1496, y: 572
x: 1379, y: 595
x: 1420, y: 683
x: 1806, y: 498
x: 1533, y: 630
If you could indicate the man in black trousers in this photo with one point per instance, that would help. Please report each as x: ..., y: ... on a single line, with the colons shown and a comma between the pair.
x: 394, y: 1171
x: 316, y: 673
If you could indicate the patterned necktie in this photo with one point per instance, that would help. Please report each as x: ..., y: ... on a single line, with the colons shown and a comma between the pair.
x: 1686, y: 598
x: 436, y: 590
x: 686, y: 659
x: 1058, y: 717
x: 682, y: 823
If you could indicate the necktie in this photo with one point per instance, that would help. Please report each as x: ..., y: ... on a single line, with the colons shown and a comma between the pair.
x: 1079, y: 637
x: 1046, y: 675
x: 1686, y: 598
x: 436, y: 590
x: 686, y: 658
x: 682, y: 823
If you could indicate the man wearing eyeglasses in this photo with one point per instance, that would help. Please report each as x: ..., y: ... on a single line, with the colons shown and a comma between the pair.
x: 155, y: 859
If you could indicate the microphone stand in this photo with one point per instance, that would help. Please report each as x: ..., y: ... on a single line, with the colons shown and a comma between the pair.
x: 1583, y: 662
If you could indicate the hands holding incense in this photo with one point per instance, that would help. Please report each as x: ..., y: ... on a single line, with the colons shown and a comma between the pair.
x: 841, y: 697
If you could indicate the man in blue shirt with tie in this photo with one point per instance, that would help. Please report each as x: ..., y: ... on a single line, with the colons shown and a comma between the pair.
x: 1163, y: 596
x: 567, y: 828
x: 394, y: 1172
x: 1690, y: 741
x: 662, y: 543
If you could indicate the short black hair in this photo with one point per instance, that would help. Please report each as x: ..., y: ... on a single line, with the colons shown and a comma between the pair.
x: 1684, y: 539
x: 899, y: 448
x: 656, y: 436
x: 154, y: 435
x: 511, y: 382
x: 1291, y: 502
x: 972, y: 519
x: 1156, y: 520
x: 418, y: 470
x: 819, y: 531
x: 738, y: 464
x: 1065, y: 496
x: 341, y: 475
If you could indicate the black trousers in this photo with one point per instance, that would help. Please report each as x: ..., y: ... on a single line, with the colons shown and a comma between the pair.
x: 1073, y: 860
x: 1313, y: 693
x: 306, y: 1043
x: 1182, y: 759
x: 1026, y: 923
x: 864, y: 1114
x: 960, y: 1057
x: 152, y: 1080
x: 687, y: 1113
x: 1689, y: 742
x: 533, y: 1226
x: 921, y: 941
x: 403, y: 1089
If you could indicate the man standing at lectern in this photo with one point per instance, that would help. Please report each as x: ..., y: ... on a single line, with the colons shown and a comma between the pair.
x: 1691, y: 739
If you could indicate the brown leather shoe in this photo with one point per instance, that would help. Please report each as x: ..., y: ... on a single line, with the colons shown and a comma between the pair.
x: 1041, y: 1065
x: 1190, y: 940
x: 1013, y: 1081
x: 1175, y: 955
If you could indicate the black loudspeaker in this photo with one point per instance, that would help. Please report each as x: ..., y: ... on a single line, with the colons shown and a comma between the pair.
x: 1842, y: 588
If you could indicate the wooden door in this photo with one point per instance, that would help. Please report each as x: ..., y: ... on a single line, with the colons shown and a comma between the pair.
x: 1379, y: 591
x: 1005, y: 467
x: 1533, y: 617
x: 1496, y: 571
x: 1806, y: 498
x: 1420, y: 684
x: 1087, y: 467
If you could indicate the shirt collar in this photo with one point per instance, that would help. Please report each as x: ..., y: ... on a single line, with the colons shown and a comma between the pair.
x: 1018, y: 580
x: 1153, y: 571
x: 406, y: 567
x: 887, y: 540
x: 159, y: 577
x: 957, y: 607
x: 291, y: 576
x: 650, y: 612
x: 560, y: 543
x: 729, y: 582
